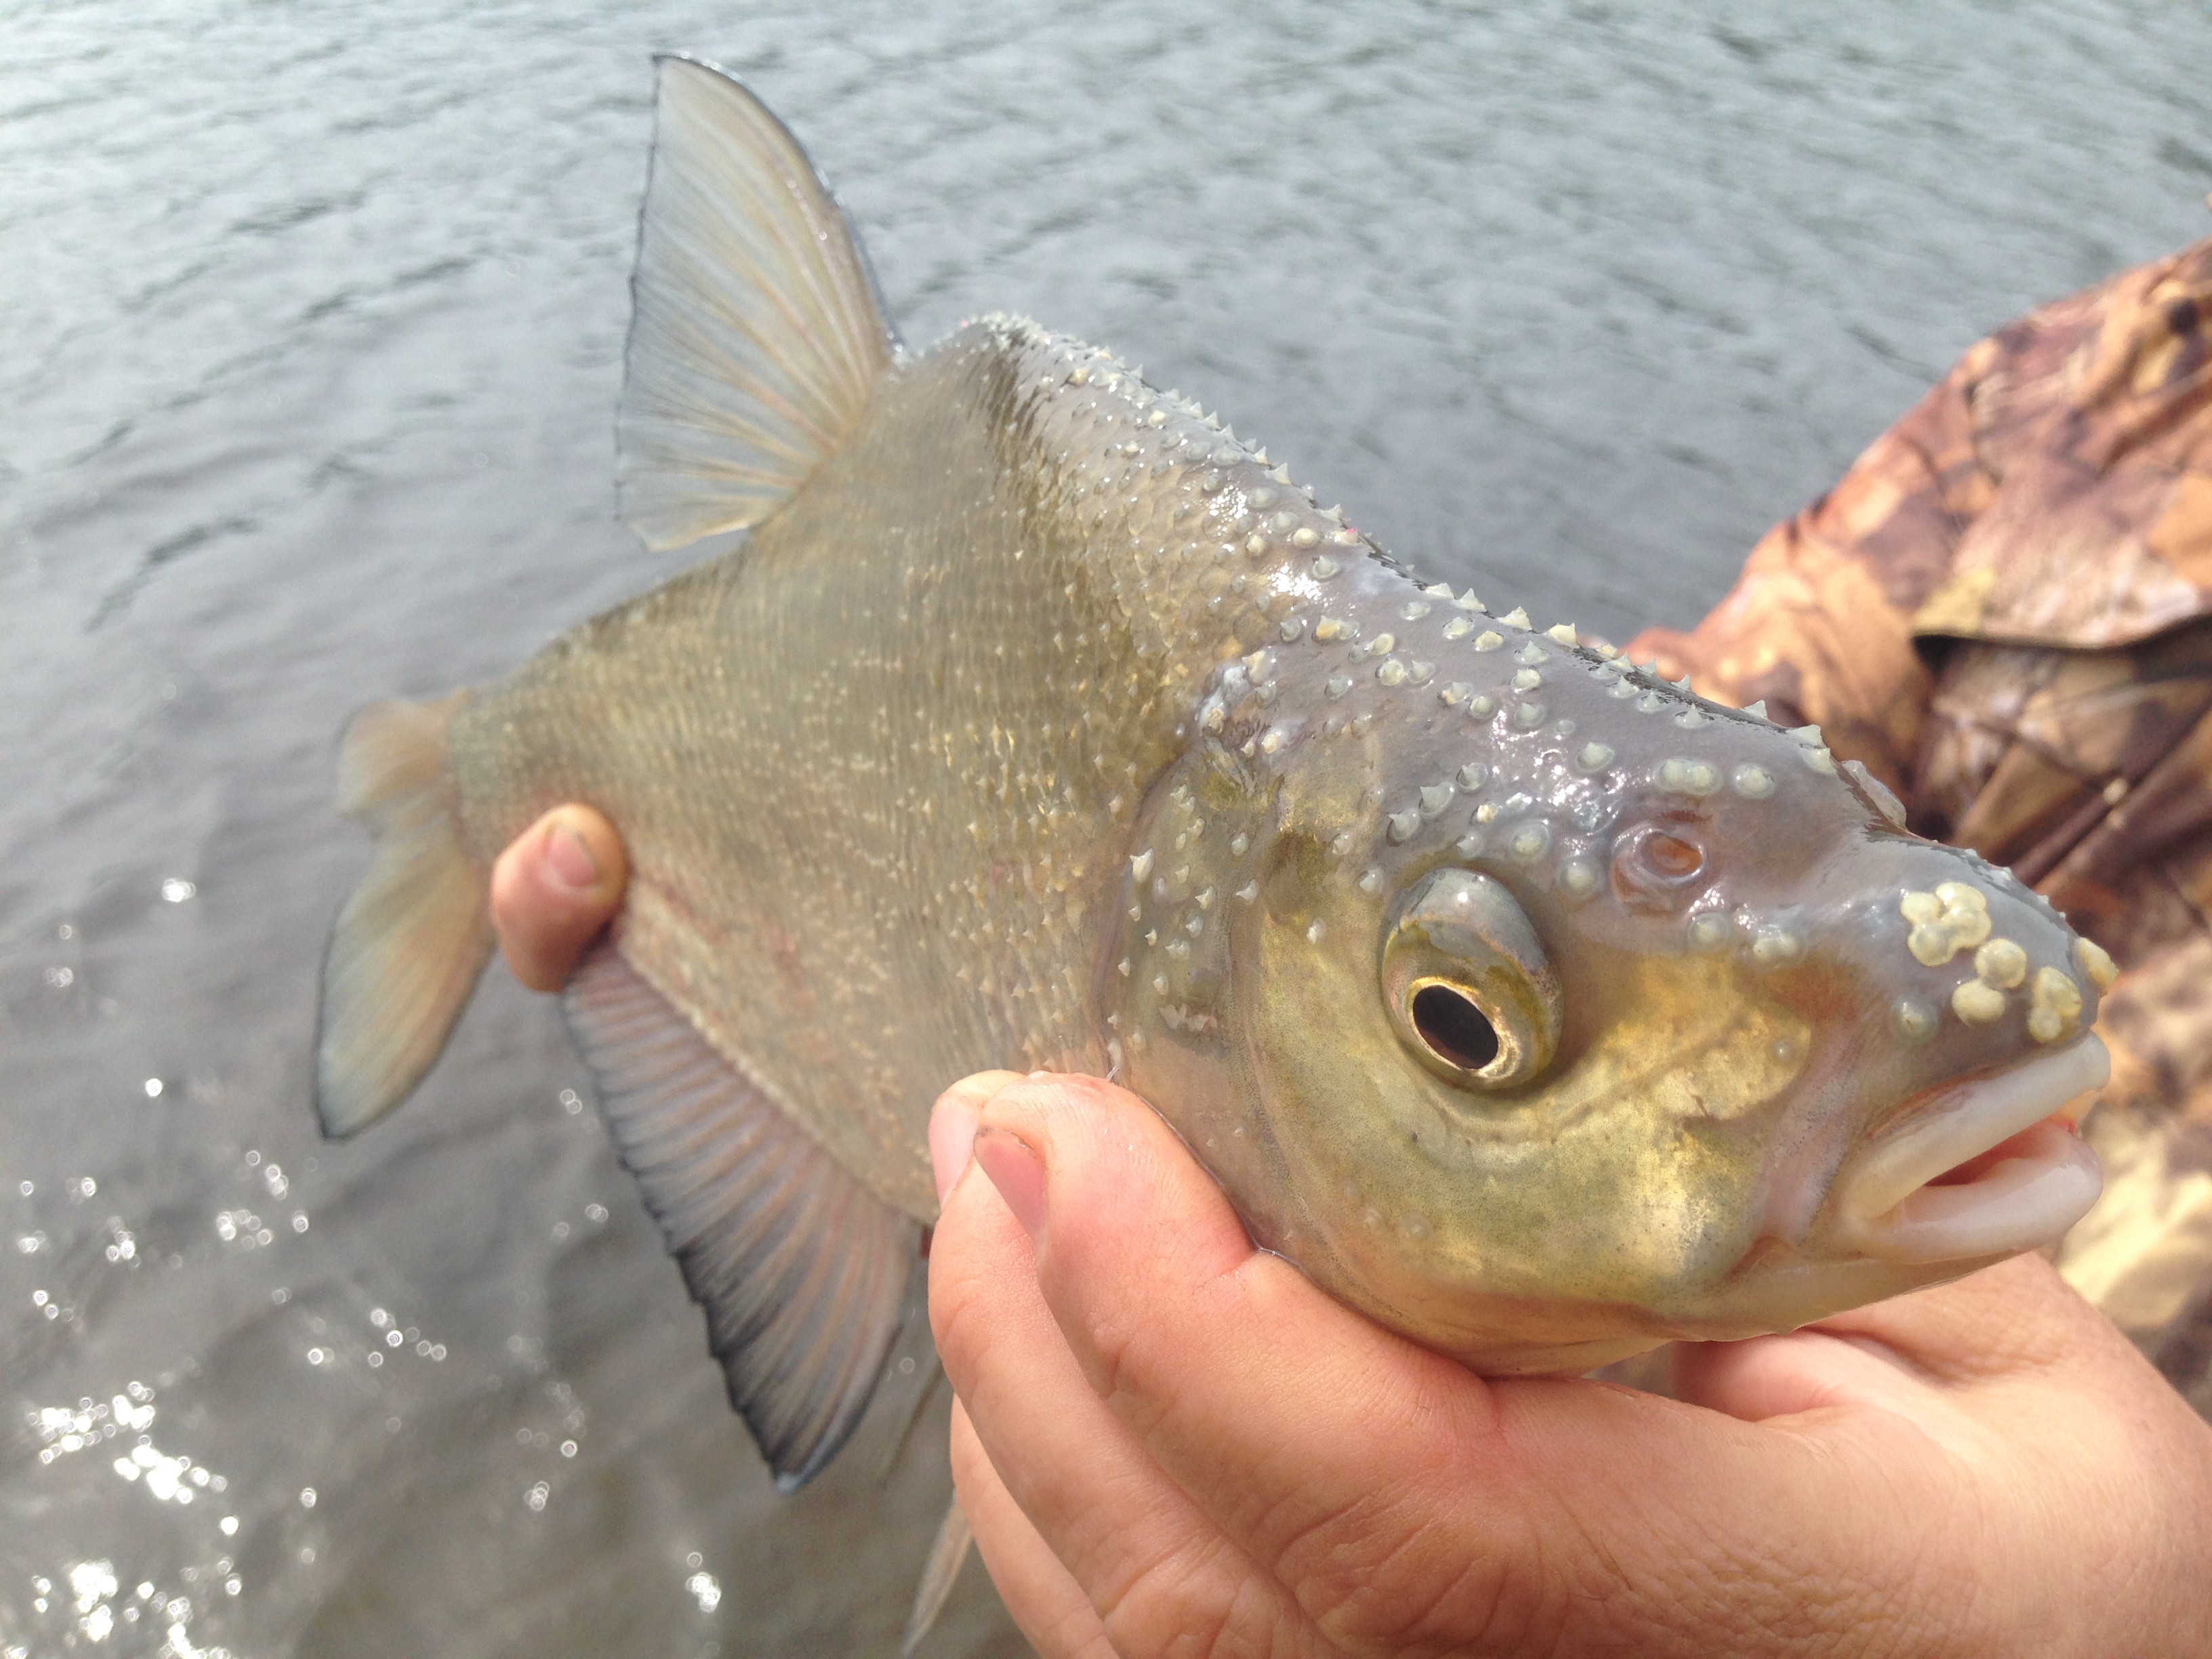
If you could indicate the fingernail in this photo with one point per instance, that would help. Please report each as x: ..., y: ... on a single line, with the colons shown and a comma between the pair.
x: 951, y: 1132
x: 569, y: 860
x: 1019, y: 1174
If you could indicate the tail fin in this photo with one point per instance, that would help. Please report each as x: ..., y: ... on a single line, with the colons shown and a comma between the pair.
x: 407, y: 949
x: 756, y: 333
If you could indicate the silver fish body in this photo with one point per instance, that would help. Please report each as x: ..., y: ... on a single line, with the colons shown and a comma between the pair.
x: 1539, y: 1008
x: 878, y: 771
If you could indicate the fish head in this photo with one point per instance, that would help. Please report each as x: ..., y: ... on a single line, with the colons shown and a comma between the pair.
x: 1545, y: 1040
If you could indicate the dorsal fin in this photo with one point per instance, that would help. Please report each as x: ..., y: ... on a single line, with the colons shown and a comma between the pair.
x: 756, y: 333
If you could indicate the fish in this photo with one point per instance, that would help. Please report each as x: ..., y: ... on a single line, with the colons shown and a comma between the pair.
x: 1534, y: 1006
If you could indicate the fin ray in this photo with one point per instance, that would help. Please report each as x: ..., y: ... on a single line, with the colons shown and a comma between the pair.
x: 803, y: 1273
x: 948, y: 1553
x: 757, y: 334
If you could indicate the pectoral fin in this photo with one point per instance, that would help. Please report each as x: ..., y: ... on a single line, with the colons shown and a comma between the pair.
x: 802, y: 1271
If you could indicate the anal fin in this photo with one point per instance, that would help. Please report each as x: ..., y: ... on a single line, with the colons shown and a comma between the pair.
x: 802, y: 1272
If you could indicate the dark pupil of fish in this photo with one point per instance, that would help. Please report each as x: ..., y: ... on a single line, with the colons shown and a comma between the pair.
x: 1673, y: 859
x: 1454, y: 1027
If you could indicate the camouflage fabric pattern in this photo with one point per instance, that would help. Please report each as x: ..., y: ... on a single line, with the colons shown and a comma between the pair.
x: 2004, y: 610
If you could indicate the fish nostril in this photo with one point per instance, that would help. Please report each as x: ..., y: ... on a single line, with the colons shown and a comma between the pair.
x: 1652, y: 869
x: 1454, y: 1027
x: 1672, y: 859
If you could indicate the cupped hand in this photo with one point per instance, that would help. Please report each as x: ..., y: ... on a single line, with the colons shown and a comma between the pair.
x: 1171, y: 1442
x: 554, y: 887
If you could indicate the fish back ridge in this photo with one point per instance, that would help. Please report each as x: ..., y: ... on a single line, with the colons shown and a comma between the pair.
x: 408, y: 948
x: 756, y: 331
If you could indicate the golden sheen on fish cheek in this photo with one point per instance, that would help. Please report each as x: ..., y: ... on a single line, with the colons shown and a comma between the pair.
x: 1551, y: 1227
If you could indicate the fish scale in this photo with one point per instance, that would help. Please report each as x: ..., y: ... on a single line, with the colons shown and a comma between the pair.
x: 1534, y: 1006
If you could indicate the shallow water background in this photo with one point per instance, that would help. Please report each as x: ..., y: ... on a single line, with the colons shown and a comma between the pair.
x: 310, y: 318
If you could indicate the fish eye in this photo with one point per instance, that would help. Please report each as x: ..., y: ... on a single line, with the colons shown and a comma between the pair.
x: 1454, y: 1025
x: 1467, y: 983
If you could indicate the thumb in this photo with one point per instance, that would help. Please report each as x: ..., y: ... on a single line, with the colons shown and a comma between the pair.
x: 554, y: 887
x: 952, y: 1124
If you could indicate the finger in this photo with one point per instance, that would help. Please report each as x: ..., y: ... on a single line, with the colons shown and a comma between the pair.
x: 2004, y: 1324
x: 2015, y: 1316
x: 952, y: 1124
x: 1046, y: 1602
x: 554, y: 887
x: 1767, y: 1377
x: 1152, y: 1566
x: 1400, y: 1498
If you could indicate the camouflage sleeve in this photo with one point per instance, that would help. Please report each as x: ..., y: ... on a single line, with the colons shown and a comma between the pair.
x: 1820, y: 624
x: 2005, y: 610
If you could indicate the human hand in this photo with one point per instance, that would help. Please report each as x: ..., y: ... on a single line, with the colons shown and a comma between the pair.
x: 1168, y: 1441
x: 554, y: 887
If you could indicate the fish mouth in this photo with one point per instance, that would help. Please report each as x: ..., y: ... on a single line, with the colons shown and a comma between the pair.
x: 1981, y: 1167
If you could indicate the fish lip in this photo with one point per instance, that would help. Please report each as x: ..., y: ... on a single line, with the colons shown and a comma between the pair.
x: 1883, y: 1206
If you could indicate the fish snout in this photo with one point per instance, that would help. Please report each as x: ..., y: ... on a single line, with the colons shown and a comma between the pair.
x: 1968, y: 1152
x: 1982, y: 1167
